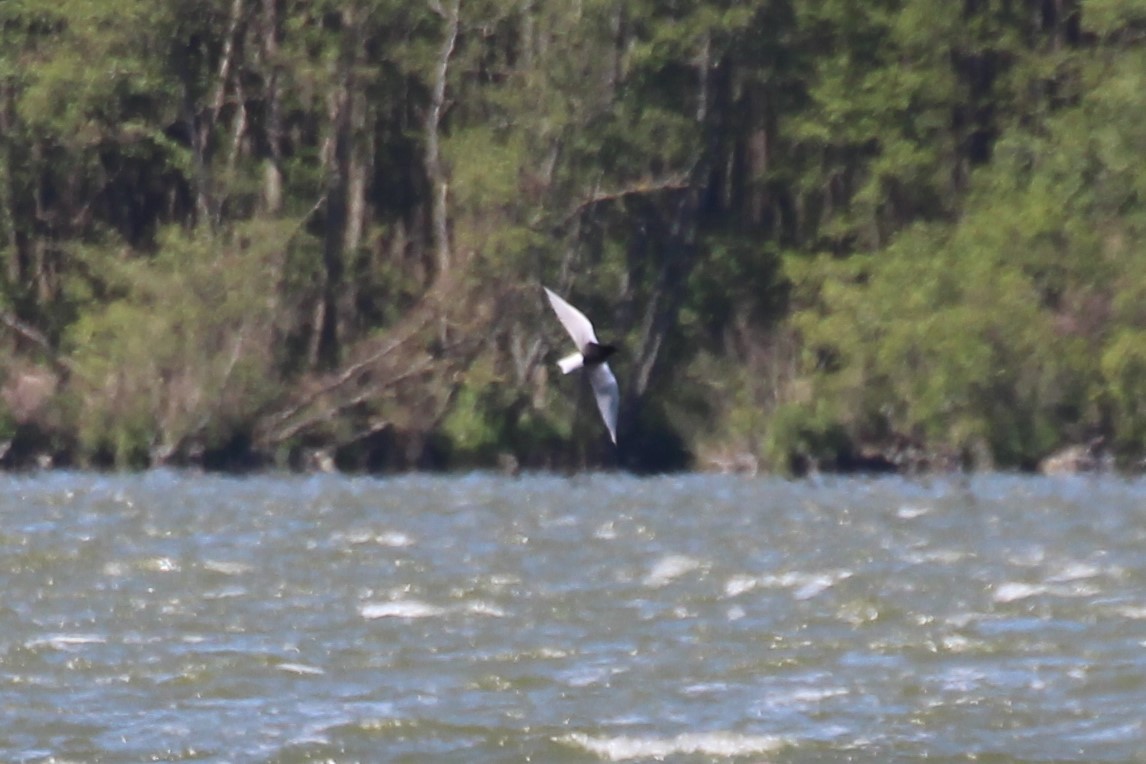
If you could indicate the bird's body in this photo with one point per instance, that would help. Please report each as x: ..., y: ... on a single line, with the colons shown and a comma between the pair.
x: 591, y: 355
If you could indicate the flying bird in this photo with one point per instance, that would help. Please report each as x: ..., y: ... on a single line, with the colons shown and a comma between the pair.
x: 591, y: 355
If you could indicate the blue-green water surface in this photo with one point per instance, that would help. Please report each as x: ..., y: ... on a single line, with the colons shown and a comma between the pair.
x: 178, y: 617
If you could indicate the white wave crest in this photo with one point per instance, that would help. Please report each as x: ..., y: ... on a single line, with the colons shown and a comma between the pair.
x: 393, y: 539
x: 805, y: 585
x: 1134, y: 612
x: 625, y: 748
x: 226, y: 568
x: 911, y: 511
x: 160, y: 565
x: 420, y: 609
x: 668, y: 568
x: 739, y: 584
x: 1014, y: 590
x: 1075, y: 571
x: 400, y: 609
x: 300, y: 668
x: 356, y: 537
x: 481, y: 607
x: 66, y: 642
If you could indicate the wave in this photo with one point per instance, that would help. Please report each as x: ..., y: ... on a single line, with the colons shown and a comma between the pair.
x: 626, y: 748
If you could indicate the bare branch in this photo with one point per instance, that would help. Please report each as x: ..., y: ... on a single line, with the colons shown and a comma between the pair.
x: 37, y: 338
x: 640, y: 188
x: 326, y: 413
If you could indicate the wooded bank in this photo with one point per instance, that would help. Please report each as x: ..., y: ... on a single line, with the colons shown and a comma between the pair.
x: 825, y: 233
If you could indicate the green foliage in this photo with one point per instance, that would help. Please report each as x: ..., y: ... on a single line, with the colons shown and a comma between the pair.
x: 488, y: 419
x: 803, y: 436
x: 1123, y: 366
x: 7, y: 425
x: 473, y: 425
x: 73, y: 99
x: 943, y: 337
x: 185, y: 357
x: 812, y: 226
x: 1114, y: 17
x: 991, y: 329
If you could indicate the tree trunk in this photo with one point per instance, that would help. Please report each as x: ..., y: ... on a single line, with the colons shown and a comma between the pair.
x: 38, y: 271
x: 680, y: 249
x: 8, y: 239
x: 272, y: 169
x: 357, y: 171
x: 346, y: 186
x: 434, y: 166
x: 334, y: 234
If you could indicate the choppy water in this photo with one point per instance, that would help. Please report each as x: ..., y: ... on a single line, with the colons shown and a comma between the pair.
x: 468, y: 619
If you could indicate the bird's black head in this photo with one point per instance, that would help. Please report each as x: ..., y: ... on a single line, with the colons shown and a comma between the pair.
x: 596, y: 353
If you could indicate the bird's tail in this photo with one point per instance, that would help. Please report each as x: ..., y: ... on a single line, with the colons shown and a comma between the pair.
x: 571, y: 363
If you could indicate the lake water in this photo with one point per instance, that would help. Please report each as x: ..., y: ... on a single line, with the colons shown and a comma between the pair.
x: 481, y: 618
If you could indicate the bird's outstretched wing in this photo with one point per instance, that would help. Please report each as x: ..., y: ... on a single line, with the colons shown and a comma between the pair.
x: 608, y: 395
x: 574, y: 321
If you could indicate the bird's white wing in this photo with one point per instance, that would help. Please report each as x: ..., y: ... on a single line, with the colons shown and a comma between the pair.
x: 574, y: 321
x: 608, y: 395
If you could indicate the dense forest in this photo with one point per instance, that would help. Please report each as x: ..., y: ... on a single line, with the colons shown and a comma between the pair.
x: 825, y: 233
